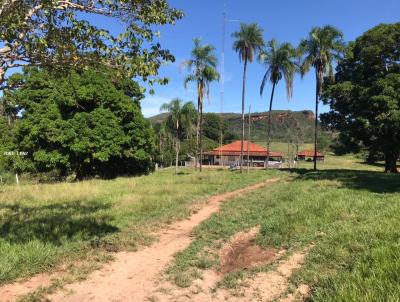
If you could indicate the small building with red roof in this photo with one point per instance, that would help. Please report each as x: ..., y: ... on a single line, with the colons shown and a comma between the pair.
x: 230, y: 154
x: 309, y: 155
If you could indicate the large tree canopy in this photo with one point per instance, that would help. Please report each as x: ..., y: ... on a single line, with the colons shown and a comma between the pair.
x: 89, y: 123
x: 60, y: 33
x: 365, y: 98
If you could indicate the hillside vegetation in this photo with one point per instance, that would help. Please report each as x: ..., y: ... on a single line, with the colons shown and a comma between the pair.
x: 285, y: 124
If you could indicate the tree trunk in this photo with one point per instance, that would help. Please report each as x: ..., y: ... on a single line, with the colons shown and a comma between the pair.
x: 269, y: 122
x: 2, y: 75
x: 248, y: 141
x: 79, y: 173
x: 243, y: 96
x: 391, y: 162
x: 197, y: 128
x: 176, y: 152
x: 201, y: 136
x: 317, y: 92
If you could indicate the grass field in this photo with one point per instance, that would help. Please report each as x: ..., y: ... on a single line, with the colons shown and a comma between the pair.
x: 351, y: 216
x: 46, y: 224
x: 349, y: 210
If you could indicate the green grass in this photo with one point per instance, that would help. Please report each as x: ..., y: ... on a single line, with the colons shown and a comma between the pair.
x: 348, y: 209
x: 351, y: 216
x: 44, y: 225
x: 348, y: 162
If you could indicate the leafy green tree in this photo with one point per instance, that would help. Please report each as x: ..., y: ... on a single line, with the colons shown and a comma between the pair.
x: 202, y: 67
x: 59, y: 33
x: 6, y: 142
x: 280, y: 62
x: 212, y: 126
x: 248, y: 43
x: 89, y: 123
x: 365, y: 97
x: 322, y: 46
x: 179, y: 115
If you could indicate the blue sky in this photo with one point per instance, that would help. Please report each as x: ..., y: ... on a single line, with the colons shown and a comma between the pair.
x: 285, y: 20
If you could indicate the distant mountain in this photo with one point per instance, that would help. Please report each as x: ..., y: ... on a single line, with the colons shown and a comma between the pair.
x: 284, y: 124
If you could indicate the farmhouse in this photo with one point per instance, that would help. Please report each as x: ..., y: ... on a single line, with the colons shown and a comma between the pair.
x: 309, y: 155
x: 230, y: 154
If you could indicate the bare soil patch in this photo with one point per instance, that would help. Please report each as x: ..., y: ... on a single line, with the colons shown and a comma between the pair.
x: 273, y: 285
x: 132, y: 275
x: 241, y: 252
x: 10, y: 292
x: 264, y: 286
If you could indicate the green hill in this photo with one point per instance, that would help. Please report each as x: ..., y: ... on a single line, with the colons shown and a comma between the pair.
x: 284, y: 124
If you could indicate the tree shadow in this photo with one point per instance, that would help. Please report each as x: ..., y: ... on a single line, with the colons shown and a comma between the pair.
x: 377, y: 182
x: 55, y: 223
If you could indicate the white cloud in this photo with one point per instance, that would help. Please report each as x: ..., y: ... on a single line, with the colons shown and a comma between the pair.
x: 151, y: 105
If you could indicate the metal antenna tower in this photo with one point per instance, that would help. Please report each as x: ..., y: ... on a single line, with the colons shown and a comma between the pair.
x: 225, y: 20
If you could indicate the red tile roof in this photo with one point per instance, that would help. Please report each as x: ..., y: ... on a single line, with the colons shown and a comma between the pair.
x: 234, y: 149
x: 309, y: 153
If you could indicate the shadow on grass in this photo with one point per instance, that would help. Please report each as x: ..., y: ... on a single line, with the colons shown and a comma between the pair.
x: 377, y: 182
x: 55, y: 223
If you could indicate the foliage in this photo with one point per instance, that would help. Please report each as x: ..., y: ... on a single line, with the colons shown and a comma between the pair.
x: 180, y: 115
x: 211, y: 137
x: 6, y: 145
x: 88, y: 123
x: 165, y: 143
x: 213, y: 124
x: 365, y: 98
x: 322, y: 46
x: 248, y: 42
x: 202, y: 68
x: 233, y: 124
x: 56, y: 34
x: 280, y: 62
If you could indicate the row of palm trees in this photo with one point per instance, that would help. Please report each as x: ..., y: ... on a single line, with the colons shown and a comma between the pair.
x: 319, y: 50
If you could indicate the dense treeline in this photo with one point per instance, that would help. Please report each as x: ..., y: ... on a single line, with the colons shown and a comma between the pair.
x: 70, y: 115
x: 83, y: 123
x: 364, y: 96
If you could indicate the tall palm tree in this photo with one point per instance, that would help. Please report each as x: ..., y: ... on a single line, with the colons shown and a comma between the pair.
x: 179, y: 114
x: 280, y: 61
x: 248, y: 43
x: 202, y: 66
x: 322, y: 46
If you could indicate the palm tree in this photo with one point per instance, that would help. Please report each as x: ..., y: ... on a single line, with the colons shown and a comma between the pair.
x: 248, y: 43
x: 188, y: 120
x: 202, y: 67
x: 322, y: 46
x: 280, y: 60
x: 179, y: 114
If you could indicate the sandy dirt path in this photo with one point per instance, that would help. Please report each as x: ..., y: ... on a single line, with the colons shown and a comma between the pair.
x: 131, y: 276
